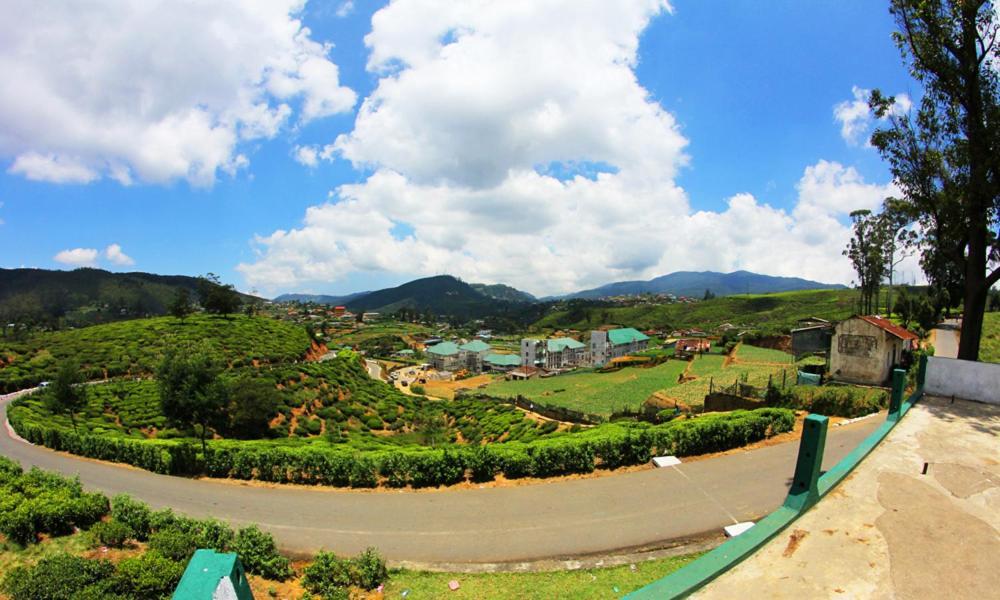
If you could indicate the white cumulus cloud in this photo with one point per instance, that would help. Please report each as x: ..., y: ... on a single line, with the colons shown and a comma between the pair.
x: 155, y: 91
x: 115, y: 255
x: 77, y: 257
x: 512, y: 142
x: 856, y: 118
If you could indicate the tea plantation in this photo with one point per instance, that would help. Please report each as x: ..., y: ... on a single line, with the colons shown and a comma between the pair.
x: 329, y: 422
x: 135, y: 347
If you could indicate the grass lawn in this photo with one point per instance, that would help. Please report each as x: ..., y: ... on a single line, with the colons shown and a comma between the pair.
x: 603, y: 393
x: 12, y: 555
x: 598, y: 393
x: 609, y: 582
x: 989, y: 349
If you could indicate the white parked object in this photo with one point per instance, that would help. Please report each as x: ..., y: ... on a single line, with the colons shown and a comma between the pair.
x: 666, y: 461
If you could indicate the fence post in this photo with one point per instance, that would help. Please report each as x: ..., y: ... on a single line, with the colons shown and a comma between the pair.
x: 804, y: 492
x: 896, y: 399
x: 922, y: 371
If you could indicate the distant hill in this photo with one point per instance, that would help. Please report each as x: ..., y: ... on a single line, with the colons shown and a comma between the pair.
x: 500, y: 291
x: 441, y: 295
x: 320, y: 298
x: 778, y: 312
x: 86, y: 296
x: 694, y: 284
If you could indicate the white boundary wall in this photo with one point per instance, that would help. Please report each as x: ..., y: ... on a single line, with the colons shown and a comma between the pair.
x: 963, y: 379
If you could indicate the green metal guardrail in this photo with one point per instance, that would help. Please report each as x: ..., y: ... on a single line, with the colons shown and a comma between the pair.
x: 809, y: 484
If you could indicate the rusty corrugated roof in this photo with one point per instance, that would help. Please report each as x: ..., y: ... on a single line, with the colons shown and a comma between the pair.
x: 890, y: 327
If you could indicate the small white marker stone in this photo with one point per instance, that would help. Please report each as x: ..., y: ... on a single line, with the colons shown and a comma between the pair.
x: 666, y: 461
x: 735, y: 530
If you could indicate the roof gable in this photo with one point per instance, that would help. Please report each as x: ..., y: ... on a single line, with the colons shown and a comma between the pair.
x: 475, y: 346
x: 890, y: 327
x: 444, y: 349
x: 560, y: 344
x: 626, y: 335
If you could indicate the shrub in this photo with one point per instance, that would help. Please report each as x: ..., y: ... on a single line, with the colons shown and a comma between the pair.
x: 132, y: 513
x: 370, y: 569
x: 113, y: 534
x: 60, y: 577
x: 173, y: 543
x: 328, y: 576
x: 259, y: 554
x: 151, y: 575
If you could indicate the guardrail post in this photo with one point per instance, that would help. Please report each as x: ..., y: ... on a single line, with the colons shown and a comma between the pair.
x: 804, y: 492
x: 896, y: 399
x: 922, y: 371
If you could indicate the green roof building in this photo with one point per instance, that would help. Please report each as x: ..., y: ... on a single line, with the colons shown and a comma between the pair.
x: 626, y: 335
x: 211, y: 575
x: 560, y: 344
x: 503, y: 362
x: 475, y: 346
x: 444, y: 349
x: 606, y: 346
x: 445, y: 356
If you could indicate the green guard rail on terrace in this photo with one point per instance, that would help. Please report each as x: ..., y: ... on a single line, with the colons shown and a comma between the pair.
x: 809, y: 484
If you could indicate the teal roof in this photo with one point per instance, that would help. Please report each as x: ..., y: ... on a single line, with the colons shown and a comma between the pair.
x: 444, y: 349
x: 475, y: 346
x: 560, y: 344
x: 407, y: 351
x: 204, y: 572
x: 504, y: 360
x: 626, y: 335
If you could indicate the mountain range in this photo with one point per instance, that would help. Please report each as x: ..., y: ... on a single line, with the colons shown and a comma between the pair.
x: 695, y: 283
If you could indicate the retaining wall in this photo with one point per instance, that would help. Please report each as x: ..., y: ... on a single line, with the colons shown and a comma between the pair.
x: 963, y: 379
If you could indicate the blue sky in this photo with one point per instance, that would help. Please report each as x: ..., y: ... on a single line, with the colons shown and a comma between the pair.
x: 536, y: 147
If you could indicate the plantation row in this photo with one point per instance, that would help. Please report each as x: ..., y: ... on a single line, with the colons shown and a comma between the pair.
x: 136, y: 347
x: 334, y: 401
x: 37, y: 502
x: 607, y: 446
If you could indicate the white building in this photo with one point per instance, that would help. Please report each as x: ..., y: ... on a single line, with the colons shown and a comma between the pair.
x: 606, y: 346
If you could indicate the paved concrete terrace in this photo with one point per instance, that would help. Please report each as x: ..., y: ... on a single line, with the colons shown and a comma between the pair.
x: 891, y: 531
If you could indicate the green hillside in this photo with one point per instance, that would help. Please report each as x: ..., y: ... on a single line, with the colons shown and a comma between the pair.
x: 86, y: 296
x: 333, y: 401
x: 766, y: 311
x: 135, y: 347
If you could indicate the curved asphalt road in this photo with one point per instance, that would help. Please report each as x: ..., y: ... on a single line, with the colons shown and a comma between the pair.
x: 550, y: 520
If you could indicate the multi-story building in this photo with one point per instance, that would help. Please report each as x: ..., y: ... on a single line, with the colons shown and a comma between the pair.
x: 445, y: 356
x: 562, y: 353
x: 472, y: 355
x: 606, y: 346
x: 532, y: 352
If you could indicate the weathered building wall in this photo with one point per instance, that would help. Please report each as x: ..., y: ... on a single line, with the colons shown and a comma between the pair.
x: 862, y: 353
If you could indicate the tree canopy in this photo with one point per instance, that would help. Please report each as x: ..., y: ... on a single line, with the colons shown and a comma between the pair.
x: 946, y: 156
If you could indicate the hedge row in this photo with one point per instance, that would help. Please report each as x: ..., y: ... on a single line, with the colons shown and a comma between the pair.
x: 840, y: 401
x: 606, y: 446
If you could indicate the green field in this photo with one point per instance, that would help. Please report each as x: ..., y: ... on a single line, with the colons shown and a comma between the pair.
x: 603, y: 393
x: 593, y: 392
x: 364, y: 332
x: 136, y: 347
x: 777, y: 312
x: 989, y: 349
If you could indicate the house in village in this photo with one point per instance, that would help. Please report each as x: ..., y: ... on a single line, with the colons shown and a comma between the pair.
x: 865, y: 349
x: 472, y: 355
x: 502, y: 363
x: 444, y: 356
x: 688, y: 346
x: 554, y: 354
x: 812, y: 335
x: 608, y: 345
